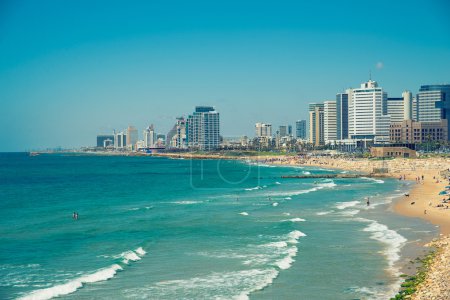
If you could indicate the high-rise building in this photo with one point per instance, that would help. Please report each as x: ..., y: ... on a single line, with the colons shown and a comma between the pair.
x: 176, y: 138
x: 429, y: 101
x: 203, y: 128
x: 342, y: 116
x: 365, y: 113
x: 433, y: 103
x: 329, y: 122
x: 263, y: 130
x: 407, y: 106
x: 282, y: 131
x: 105, y: 140
x: 316, y: 124
x: 120, y: 140
x: 399, y: 109
x: 290, y: 130
x: 149, y: 136
x: 300, y: 129
x: 414, y: 109
x: 132, y: 136
x: 394, y: 107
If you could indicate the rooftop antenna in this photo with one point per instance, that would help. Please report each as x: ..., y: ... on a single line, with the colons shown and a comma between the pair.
x: 370, y: 75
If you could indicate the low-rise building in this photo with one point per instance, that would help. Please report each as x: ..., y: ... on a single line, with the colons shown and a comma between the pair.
x: 393, y: 152
x: 413, y: 132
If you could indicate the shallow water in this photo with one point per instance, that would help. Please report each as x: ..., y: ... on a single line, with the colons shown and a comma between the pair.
x: 170, y: 229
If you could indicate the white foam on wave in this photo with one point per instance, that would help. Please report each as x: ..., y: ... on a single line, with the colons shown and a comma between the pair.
x: 187, y: 202
x: 392, y: 239
x: 344, y: 205
x: 276, y: 182
x: 373, y: 179
x: 393, y: 242
x: 275, y: 204
x: 293, y: 236
x: 295, y: 220
x: 306, y: 172
x: 280, y: 244
x: 140, y: 251
x: 322, y: 213
x: 288, y: 198
x: 349, y: 213
x: 129, y: 255
x: 254, y: 188
x: 244, y: 213
x: 287, y: 214
x: 224, y: 285
x: 73, y: 285
x: 285, y: 263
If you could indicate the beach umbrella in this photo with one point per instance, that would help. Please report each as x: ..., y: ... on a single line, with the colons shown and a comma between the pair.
x: 443, y: 193
x: 447, y: 187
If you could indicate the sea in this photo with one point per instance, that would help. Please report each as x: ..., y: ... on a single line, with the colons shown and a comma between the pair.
x: 160, y: 228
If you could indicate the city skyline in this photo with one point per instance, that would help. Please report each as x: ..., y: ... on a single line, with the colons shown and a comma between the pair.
x: 63, y: 81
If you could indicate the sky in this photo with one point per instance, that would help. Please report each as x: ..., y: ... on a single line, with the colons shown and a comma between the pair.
x: 70, y: 70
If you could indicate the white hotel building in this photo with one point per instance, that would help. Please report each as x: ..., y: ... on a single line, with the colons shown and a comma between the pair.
x: 365, y: 113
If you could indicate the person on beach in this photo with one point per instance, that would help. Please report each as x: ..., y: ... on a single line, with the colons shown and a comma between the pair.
x: 425, y: 212
x: 368, y: 201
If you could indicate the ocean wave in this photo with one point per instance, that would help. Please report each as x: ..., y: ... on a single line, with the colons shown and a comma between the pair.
x: 288, y: 198
x: 140, y: 251
x: 392, y: 239
x: 349, y: 213
x: 223, y: 285
x: 280, y: 244
x: 393, y: 242
x: 294, y: 220
x: 276, y: 182
x: 344, y: 205
x: 131, y: 255
x: 73, y: 285
x: 322, y: 213
x: 293, y: 236
x: 288, y: 260
x: 275, y: 204
x: 306, y: 172
x: 244, y: 213
x: 254, y: 188
x: 186, y: 202
x: 326, y: 184
x: 373, y: 179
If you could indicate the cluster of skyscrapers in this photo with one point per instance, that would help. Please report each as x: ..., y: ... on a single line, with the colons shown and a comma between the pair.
x: 367, y: 116
x: 200, y: 131
x: 358, y: 117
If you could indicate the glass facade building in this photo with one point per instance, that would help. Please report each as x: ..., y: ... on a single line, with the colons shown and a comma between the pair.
x: 342, y: 116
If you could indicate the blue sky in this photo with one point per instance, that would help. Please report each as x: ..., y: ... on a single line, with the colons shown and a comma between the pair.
x: 70, y: 70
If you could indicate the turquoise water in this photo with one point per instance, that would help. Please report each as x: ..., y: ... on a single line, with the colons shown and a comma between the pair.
x: 156, y: 228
